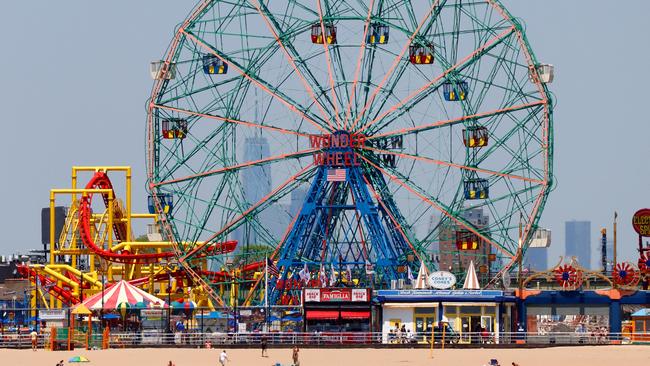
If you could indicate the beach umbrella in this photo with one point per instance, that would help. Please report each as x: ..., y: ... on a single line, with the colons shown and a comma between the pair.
x: 123, y: 307
x: 78, y: 359
x: 140, y: 305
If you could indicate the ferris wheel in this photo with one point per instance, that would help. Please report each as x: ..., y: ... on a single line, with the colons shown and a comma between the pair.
x: 353, y: 139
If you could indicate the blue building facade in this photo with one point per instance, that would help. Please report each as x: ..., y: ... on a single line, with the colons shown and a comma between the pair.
x: 578, y: 241
x: 536, y: 259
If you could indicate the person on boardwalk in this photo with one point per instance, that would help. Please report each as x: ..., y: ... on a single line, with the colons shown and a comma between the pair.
x: 223, y: 357
x: 295, y: 356
x: 34, y: 337
x: 264, y: 344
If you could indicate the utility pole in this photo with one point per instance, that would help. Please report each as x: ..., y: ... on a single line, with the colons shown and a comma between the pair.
x: 614, y: 251
x: 520, y: 258
x: 603, y: 249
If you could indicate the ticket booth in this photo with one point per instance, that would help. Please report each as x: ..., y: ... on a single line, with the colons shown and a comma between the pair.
x: 641, y: 326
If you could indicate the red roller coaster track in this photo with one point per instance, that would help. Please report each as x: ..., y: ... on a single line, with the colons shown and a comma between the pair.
x: 101, y: 181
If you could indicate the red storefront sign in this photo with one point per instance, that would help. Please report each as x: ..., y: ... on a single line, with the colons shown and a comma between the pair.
x: 360, y: 294
x: 312, y: 295
x: 336, y: 295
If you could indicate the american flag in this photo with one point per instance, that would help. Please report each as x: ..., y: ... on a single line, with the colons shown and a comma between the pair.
x: 271, y: 268
x: 337, y: 175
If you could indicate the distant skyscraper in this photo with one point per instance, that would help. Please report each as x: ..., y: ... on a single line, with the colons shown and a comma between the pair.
x: 297, y: 199
x: 578, y: 241
x: 257, y: 179
x: 256, y: 182
x: 536, y: 259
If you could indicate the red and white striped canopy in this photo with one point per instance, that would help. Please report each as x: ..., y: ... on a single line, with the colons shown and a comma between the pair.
x: 118, y: 293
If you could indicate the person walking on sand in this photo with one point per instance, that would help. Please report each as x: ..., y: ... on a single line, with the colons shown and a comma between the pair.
x: 34, y: 337
x: 295, y: 355
x: 223, y: 357
x: 263, y: 342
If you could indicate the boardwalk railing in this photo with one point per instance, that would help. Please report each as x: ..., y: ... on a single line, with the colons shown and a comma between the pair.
x: 205, y: 340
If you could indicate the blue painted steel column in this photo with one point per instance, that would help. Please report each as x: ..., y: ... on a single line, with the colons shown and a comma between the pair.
x: 615, y: 316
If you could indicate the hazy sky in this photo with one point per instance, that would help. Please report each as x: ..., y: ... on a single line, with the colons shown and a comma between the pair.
x: 74, y: 80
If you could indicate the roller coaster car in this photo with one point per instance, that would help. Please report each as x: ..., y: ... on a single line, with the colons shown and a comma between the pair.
x: 377, y: 34
x: 466, y: 240
x: 174, y: 128
x: 475, y: 136
x: 454, y: 91
x: 166, y: 200
x: 212, y: 65
x: 421, y: 54
x: 317, y: 33
x: 477, y: 189
x: 161, y: 70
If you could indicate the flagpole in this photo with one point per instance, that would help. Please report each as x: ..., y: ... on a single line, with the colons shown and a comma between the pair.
x: 266, y: 292
x: 266, y: 282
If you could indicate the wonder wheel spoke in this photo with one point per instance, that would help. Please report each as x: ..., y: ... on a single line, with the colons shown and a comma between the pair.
x: 292, y: 105
x: 231, y: 168
x: 273, y: 25
x: 234, y: 121
x: 439, y: 124
x: 454, y: 165
x: 362, y: 49
x: 434, y: 84
x: 394, y: 65
x: 252, y: 208
x: 435, y: 203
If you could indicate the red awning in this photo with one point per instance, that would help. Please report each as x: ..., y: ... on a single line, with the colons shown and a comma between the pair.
x: 322, y: 314
x: 359, y: 314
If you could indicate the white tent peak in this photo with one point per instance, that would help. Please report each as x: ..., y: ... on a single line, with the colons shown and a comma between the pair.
x: 471, y: 280
x: 422, y: 281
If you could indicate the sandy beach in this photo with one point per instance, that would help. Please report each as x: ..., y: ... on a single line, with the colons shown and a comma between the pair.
x: 559, y: 356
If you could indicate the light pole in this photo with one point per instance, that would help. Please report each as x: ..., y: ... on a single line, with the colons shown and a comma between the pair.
x: 101, y: 311
x: 169, y: 296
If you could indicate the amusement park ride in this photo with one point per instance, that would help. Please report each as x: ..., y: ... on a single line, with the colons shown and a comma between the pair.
x: 398, y: 119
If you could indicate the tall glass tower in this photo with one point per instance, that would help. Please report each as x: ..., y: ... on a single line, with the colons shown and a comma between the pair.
x: 578, y: 241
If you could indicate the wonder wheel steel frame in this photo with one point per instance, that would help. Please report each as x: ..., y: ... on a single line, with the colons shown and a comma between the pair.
x: 445, y: 97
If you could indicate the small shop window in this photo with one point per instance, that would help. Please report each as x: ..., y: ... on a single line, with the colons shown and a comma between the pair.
x: 473, y: 310
x: 489, y: 310
x: 451, y: 310
x: 638, y: 326
x: 425, y: 310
